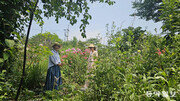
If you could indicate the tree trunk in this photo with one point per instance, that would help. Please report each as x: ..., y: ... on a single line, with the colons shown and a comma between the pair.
x: 24, y: 62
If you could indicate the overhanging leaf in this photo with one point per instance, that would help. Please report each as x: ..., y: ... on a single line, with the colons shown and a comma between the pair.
x: 9, y: 43
x: 5, y: 56
x: 1, y: 60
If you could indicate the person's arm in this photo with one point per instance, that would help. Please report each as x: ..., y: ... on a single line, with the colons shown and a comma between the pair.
x: 59, y: 61
x: 53, y: 60
x: 95, y: 56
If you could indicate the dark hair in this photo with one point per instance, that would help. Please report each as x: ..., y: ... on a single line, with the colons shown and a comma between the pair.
x: 93, y: 47
x: 56, y: 45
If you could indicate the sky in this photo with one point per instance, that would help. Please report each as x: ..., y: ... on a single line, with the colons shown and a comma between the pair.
x: 102, y: 14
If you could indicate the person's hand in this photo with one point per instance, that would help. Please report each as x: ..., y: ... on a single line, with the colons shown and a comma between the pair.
x: 60, y: 64
x: 63, y: 64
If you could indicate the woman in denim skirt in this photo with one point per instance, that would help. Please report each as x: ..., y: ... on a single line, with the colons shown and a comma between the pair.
x: 53, y: 78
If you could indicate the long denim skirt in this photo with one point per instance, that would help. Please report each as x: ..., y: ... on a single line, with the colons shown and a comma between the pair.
x: 53, y: 78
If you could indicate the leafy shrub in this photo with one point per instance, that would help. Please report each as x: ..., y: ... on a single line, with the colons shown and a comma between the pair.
x: 131, y: 74
x: 75, y: 65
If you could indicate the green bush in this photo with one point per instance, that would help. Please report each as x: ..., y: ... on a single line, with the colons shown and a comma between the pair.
x: 130, y: 75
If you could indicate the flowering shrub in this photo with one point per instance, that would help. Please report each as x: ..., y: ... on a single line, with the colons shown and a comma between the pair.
x: 36, y: 67
x: 133, y: 76
x: 159, y: 52
x: 136, y: 74
x: 74, y: 65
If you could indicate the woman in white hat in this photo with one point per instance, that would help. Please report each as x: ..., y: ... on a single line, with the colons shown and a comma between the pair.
x: 53, y: 78
x: 92, y: 58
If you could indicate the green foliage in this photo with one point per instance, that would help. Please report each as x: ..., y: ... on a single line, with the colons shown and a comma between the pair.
x: 127, y: 38
x: 133, y: 74
x: 7, y: 53
x: 171, y: 18
x: 6, y: 88
x: 36, y: 67
x: 9, y: 43
x: 129, y: 75
x: 95, y: 41
x: 16, y: 14
x: 12, y: 23
x: 75, y: 65
x: 74, y: 42
x: 71, y: 10
x: 45, y: 39
x: 148, y: 65
x: 133, y: 63
x: 166, y: 11
x: 37, y: 61
x: 147, y: 9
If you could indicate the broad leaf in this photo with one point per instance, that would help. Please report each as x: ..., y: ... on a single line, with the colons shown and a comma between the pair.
x: 5, y: 56
x: 9, y: 43
x: 1, y: 60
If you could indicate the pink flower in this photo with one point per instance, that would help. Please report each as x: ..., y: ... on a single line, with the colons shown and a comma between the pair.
x: 74, y: 52
x: 87, y: 50
x: 62, y: 52
x: 85, y: 57
x: 79, y: 49
x: 62, y: 60
x: 159, y: 52
x: 163, y: 51
x: 74, y: 49
x: 68, y: 50
x: 64, y: 56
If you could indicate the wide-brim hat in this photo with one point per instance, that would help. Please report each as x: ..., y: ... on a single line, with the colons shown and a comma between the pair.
x: 91, y: 45
x: 56, y: 44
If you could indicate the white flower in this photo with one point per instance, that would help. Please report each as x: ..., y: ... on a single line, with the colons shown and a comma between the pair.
x: 165, y: 94
x: 149, y: 93
x: 40, y: 44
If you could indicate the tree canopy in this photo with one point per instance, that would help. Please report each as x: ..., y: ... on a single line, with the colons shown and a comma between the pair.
x: 44, y: 38
x: 166, y: 11
x: 148, y: 9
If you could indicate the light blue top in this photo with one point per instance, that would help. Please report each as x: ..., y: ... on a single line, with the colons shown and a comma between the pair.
x: 54, y: 59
